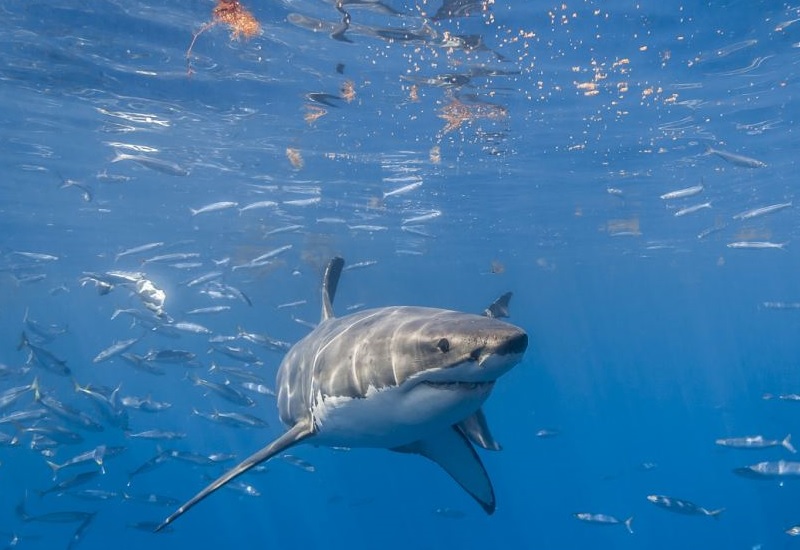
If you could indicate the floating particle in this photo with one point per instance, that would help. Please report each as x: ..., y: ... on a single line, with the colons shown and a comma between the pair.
x: 413, y: 93
x: 294, y: 157
x: 313, y: 113
x: 348, y: 91
x: 456, y: 113
x: 228, y: 12
x: 498, y: 267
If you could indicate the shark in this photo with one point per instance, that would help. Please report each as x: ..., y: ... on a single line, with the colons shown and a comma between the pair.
x: 406, y: 378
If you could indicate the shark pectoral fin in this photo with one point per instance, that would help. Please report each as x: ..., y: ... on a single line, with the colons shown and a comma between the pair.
x: 452, y: 451
x: 295, y: 435
x: 477, y: 430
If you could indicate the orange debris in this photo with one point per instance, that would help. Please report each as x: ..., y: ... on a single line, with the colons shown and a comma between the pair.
x: 229, y: 12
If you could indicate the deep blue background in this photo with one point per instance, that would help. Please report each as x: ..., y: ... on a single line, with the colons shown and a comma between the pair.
x: 645, y: 348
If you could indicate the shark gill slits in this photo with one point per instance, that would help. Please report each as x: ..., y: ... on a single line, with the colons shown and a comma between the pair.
x: 444, y: 345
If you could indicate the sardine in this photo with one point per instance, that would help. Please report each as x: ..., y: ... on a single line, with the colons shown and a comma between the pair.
x: 403, y: 190
x: 757, y: 245
x: 159, y: 165
x: 604, y: 519
x: 763, y: 211
x: 692, y: 209
x: 138, y: 249
x: 757, y: 442
x: 225, y: 391
x: 680, y: 506
x: 259, y: 204
x: 736, y: 160
x: 115, y: 349
x: 683, y: 193
x: 232, y: 419
x: 214, y: 207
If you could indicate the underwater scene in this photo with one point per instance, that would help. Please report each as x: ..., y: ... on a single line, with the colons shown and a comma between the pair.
x: 399, y: 274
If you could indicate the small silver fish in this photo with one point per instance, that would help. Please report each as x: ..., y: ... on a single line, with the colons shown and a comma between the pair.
x: 683, y: 193
x: 37, y: 256
x: 757, y: 245
x: 302, y: 202
x: 175, y: 256
x: 156, y: 434
x: 771, y: 469
x: 604, y: 519
x: 763, y: 211
x: 680, y: 506
x: 194, y: 328
x: 204, y: 278
x: 115, y: 349
x: 693, y: 209
x: 403, y: 190
x: 163, y: 166
x: 257, y: 205
x: 299, y: 462
x: 285, y: 229
x: 208, y: 310
x: 367, y: 228
x: 214, y: 207
x: 232, y: 419
x: 427, y: 216
x: 756, y: 442
x: 138, y: 249
x: 736, y: 160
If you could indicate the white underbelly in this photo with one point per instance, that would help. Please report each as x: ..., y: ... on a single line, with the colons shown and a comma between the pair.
x: 392, y: 417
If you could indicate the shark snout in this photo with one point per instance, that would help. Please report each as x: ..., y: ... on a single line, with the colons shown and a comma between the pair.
x: 517, y: 344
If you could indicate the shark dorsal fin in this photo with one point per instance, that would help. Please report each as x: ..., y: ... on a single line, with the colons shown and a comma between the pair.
x: 329, y: 283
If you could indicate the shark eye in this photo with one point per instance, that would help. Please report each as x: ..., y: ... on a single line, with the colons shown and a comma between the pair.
x: 475, y: 354
x: 443, y: 345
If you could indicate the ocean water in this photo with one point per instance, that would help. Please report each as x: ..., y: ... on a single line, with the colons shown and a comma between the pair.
x: 450, y: 151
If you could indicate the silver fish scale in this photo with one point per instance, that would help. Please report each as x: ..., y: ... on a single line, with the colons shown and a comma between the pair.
x: 378, y: 337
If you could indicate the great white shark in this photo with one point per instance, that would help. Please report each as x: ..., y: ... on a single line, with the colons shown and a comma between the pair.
x: 406, y: 378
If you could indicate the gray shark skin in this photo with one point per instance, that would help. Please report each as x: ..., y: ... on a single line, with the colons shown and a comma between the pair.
x: 409, y: 379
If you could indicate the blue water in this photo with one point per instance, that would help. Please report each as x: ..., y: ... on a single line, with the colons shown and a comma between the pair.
x: 650, y: 337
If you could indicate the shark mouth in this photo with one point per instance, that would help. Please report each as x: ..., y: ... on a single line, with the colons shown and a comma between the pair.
x: 455, y: 385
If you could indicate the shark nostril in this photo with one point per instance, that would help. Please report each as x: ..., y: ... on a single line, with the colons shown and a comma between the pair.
x: 475, y: 354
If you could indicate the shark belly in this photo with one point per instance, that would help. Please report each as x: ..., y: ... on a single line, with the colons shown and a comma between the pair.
x: 395, y: 416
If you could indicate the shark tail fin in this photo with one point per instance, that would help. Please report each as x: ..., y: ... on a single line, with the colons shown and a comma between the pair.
x: 53, y: 466
x: 715, y: 513
x: 118, y: 156
x: 37, y: 394
x: 628, y: 524
x: 99, y: 456
x: 787, y: 444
